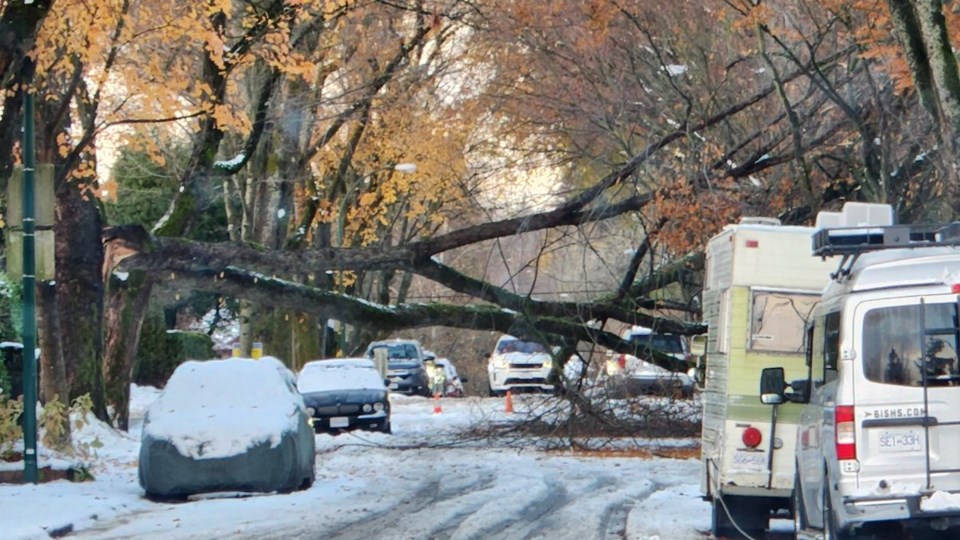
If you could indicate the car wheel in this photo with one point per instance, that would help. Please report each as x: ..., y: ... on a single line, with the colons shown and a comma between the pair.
x: 493, y: 393
x: 308, y: 481
x: 720, y: 525
x: 831, y: 530
x: 734, y: 513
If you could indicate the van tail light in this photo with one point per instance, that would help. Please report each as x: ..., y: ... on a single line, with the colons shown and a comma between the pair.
x: 751, y: 437
x: 845, y: 432
x: 622, y: 361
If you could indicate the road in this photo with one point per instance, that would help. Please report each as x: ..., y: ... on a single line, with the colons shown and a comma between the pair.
x: 426, y: 483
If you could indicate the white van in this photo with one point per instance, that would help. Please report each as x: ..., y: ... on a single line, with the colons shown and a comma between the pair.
x: 879, y: 437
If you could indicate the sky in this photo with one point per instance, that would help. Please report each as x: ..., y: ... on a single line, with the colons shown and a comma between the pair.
x: 424, y: 481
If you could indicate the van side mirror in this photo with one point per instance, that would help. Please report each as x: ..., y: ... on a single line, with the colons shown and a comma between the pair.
x: 698, y: 345
x: 464, y: 380
x: 772, y: 386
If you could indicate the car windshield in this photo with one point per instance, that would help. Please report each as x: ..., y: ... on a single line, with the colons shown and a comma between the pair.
x: 517, y: 346
x: 323, y: 377
x: 397, y: 351
x: 664, y: 343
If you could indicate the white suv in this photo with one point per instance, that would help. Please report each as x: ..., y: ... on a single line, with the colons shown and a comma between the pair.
x: 517, y: 364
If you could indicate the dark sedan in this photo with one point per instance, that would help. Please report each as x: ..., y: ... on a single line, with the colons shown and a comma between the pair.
x: 345, y: 394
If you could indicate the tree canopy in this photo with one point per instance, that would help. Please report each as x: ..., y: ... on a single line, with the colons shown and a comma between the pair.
x: 555, y: 166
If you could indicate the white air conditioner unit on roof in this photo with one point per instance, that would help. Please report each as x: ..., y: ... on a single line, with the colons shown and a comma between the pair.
x: 857, y: 214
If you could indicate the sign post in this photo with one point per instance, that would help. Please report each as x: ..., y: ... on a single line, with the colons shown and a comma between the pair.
x: 29, y: 300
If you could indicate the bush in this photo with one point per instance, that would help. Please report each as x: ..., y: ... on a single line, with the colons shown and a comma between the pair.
x: 10, y: 431
x: 9, y: 326
x: 161, y: 351
x: 54, y: 424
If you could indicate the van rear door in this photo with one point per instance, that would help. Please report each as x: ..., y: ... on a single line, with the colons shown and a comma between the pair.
x: 907, y: 394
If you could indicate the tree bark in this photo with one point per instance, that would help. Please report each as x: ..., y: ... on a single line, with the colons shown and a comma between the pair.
x: 53, y: 378
x: 128, y: 302
x: 79, y: 284
x: 943, y: 66
x: 908, y: 32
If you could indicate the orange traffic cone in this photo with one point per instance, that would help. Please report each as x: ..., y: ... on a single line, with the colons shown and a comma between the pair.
x: 437, y: 409
x: 508, y: 403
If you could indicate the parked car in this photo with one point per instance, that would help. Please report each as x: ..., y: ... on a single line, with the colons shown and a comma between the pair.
x: 519, y: 365
x: 405, y: 365
x: 227, y: 425
x: 626, y: 375
x: 671, y: 345
x: 345, y: 394
x: 454, y: 383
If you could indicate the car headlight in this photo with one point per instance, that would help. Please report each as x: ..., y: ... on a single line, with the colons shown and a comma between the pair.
x: 548, y: 363
x: 367, y: 407
x: 499, y: 362
x: 378, y: 406
x: 311, y: 411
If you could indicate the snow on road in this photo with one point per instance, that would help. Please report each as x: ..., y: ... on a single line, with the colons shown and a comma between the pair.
x: 411, y: 485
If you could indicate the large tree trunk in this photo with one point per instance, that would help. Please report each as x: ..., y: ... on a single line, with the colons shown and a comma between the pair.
x: 127, y: 305
x: 79, y: 284
x: 943, y: 66
x: 53, y: 372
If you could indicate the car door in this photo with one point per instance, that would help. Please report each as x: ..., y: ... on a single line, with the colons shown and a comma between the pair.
x: 908, y: 393
x: 816, y: 419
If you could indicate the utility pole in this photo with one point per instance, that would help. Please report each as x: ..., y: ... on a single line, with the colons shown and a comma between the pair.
x: 29, y: 299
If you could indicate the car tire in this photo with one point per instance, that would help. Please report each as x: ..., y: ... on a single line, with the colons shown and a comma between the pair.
x: 387, y: 428
x: 831, y: 530
x: 736, y: 513
x: 493, y: 393
x: 308, y: 481
x: 720, y: 525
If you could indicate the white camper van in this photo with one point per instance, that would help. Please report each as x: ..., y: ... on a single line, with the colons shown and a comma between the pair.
x: 760, y: 289
x: 879, y: 438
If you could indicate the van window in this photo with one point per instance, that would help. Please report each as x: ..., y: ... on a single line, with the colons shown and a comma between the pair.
x: 816, y: 353
x: 778, y: 319
x: 831, y: 343
x: 892, y: 341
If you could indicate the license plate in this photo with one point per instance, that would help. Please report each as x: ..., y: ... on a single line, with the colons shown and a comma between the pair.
x: 394, y: 386
x: 339, y: 421
x: 900, y: 440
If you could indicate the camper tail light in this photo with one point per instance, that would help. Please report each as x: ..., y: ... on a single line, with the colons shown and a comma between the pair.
x: 845, y: 435
x: 751, y: 437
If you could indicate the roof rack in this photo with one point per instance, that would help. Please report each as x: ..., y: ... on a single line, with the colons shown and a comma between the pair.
x: 851, y: 242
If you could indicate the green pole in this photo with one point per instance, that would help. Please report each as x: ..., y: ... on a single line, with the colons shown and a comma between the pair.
x: 29, y: 301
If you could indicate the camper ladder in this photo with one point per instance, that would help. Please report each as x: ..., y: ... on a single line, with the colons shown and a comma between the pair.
x: 929, y: 372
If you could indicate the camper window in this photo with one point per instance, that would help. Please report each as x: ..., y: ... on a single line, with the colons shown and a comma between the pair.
x: 892, y: 341
x: 777, y: 320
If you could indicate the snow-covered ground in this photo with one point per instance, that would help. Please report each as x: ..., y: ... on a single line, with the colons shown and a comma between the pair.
x: 421, y: 482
